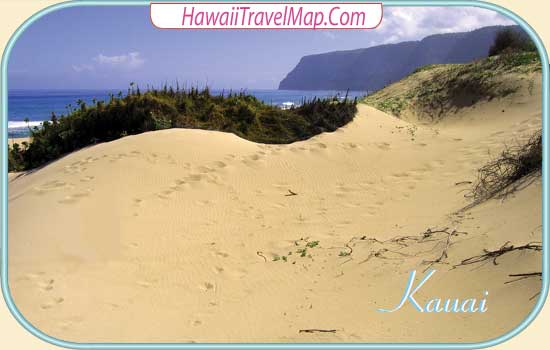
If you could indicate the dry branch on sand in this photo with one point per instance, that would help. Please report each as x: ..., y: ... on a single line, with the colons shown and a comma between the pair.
x: 315, y: 330
x: 522, y: 276
x: 406, y: 241
x: 514, y: 168
x: 261, y: 255
x: 444, y: 254
x: 291, y: 193
x: 494, y: 254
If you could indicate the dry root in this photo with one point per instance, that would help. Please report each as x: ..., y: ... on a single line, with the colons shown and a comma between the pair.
x: 494, y: 254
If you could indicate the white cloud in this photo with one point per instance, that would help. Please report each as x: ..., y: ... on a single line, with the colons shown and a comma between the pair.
x: 82, y: 67
x: 413, y: 23
x: 329, y: 35
x: 131, y: 60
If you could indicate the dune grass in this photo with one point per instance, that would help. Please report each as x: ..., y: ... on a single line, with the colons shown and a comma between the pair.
x: 435, y: 90
x: 156, y: 109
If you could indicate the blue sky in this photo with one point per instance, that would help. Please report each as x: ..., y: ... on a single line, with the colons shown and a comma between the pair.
x: 108, y: 47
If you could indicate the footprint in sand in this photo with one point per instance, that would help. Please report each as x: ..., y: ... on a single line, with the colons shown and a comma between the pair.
x: 344, y: 188
x: 318, y: 147
x: 204, y: 202
x: 205, y: 169
x: 220, y: 254
x: 53, y: 185
x: 384, y: 146
x: 46, y: 286
x: 75, y: 197
x: 275, y: 151
x: 51, y: 303
x: 256, y: 156
x: 252, y: 160
x: 219, y: 164
x: 33, y: 276
x: 194, y: 177
x: 87, y: 178
x: 399, y: 176
x: 207, y: 286
x: 166, y: 194
x: 78, y: 166
x: 348, y: 146
x: 143, y: 284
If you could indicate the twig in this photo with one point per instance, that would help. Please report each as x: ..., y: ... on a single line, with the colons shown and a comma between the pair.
x: 291, y: 193
x: 314, y: 330
x: 522, y: 276
x: 444, y: 254
x: 260, y: 254
x: 529, y: 274
x: 494, y: 254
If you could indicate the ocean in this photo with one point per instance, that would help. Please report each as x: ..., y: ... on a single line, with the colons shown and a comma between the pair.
x: 38, y: 105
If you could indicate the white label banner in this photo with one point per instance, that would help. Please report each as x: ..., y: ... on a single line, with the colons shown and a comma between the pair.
x: 266, y: 15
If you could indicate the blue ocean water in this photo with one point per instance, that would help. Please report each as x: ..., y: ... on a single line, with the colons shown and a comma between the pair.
x: 38, y: 105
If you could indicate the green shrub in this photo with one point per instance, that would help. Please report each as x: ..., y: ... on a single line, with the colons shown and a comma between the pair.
x: 137, y: 112
x: 508, y: 40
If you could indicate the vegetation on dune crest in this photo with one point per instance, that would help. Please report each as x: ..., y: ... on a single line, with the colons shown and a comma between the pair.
x: 435, y: 90
x: 508, y: 40
x: 137, y: 112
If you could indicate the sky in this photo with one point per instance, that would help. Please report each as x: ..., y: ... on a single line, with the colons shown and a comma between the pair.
x: 107, y: 47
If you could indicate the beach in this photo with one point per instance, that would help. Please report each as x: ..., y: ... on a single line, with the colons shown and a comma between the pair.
x: 187, y: 235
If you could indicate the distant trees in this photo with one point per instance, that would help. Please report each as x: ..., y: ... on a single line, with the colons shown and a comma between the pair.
x: 138, y: 111
x: 509, y: 40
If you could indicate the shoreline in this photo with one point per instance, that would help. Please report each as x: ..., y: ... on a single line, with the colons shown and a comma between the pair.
x: 19, y: 140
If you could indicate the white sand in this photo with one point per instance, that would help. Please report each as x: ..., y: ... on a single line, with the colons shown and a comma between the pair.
x: 155, y: 237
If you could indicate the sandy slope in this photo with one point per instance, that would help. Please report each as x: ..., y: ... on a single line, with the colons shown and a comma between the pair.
x: 161, y: 236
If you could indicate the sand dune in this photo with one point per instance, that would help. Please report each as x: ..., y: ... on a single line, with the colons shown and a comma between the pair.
x: 182, y: 235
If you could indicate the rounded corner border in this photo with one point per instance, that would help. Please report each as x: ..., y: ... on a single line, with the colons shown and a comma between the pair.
x: 391, y: 3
